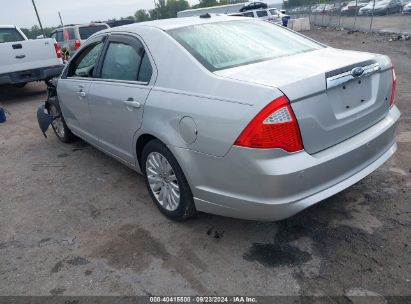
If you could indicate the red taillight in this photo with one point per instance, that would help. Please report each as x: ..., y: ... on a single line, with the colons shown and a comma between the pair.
x: 77, y: 44
x: 394, y: 86
x: 274, y: 127
x: 58, y: 50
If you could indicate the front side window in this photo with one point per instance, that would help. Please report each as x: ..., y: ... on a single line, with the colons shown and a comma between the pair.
x: 227, y: 44
x: 84, y: 64
x: 10, y: 35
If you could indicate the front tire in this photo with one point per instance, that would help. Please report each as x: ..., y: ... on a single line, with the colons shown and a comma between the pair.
x: 166, y: 182
x: 59, y: 125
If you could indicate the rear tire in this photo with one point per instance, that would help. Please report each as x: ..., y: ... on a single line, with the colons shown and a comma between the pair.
x: 59, y: 125
x: 166, y: 183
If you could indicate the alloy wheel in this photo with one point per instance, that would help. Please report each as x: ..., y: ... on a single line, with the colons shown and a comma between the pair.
x: 163, y: 181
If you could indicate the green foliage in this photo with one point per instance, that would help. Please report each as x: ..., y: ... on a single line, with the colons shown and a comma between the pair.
x: 141, y: 15
x: 208, y: 3
x: 163, y: 9
x: 35, y: 31
x: 295, y: 3
x: 168, y: 9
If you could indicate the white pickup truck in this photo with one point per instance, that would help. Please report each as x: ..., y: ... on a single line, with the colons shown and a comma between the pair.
x: 23, y: 60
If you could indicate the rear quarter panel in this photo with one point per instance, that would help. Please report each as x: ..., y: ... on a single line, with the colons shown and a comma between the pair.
x: 221, y: 108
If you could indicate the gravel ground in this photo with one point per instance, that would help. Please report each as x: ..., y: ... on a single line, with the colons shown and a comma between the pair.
x: 76, y: 222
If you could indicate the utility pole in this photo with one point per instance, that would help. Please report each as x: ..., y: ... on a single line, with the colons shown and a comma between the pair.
x: 61, y: 21
x: 38, y: 18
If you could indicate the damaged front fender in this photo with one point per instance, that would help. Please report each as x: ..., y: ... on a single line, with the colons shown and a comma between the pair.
x: 44, y: 119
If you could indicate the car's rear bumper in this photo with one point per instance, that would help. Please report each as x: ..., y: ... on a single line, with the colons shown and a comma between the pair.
x: 31, y: 75
x: 272, y: 184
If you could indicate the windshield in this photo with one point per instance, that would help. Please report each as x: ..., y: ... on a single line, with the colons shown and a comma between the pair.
x: 222, y: 45
x: 87, y: 31
x: 10, y: 35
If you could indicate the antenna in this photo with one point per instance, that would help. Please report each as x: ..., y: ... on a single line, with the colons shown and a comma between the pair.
x: 61, y: 21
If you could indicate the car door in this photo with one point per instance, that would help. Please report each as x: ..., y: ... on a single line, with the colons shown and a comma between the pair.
x: 73, y: 88
x: 118, y: 96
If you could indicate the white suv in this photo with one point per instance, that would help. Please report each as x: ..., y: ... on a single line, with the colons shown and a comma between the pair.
x: 271, y: 14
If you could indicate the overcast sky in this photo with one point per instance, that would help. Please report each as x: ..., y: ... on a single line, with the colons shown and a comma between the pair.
x: 21, y: 12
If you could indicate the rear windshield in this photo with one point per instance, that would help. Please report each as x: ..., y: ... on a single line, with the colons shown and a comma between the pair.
x: 227, y: 44
x: 87, y: 31
x: 10, y: 35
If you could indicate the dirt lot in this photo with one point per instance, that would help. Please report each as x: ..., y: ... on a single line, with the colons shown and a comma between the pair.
x: 76, y: 222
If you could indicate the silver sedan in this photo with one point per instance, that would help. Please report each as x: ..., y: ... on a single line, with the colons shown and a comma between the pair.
x: 228, y: 115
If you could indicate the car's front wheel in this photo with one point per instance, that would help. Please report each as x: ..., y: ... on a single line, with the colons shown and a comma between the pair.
x: 166, y: 182
x: 59, y: 125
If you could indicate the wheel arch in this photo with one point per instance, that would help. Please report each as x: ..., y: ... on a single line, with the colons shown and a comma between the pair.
x: 142, y: 140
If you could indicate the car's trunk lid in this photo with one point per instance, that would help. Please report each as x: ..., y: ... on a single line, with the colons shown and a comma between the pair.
x: 330, y: 104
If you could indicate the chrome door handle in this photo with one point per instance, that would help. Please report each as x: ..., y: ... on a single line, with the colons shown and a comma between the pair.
x: 81, y: 94
x: 132, y: 103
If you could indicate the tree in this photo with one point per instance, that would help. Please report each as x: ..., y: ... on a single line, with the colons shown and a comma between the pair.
x: 174, y: 6
x: 141, y: 15
x: 168, y: 9
x: 35, y: 31
x: 208, y: 3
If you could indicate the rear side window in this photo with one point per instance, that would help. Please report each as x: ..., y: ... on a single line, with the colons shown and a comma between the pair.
x: 69, y: 34
x: 218, y: 45
x: 10, y: 35
x: 59, y: 36
x: 121, y: 62
x: 124, y: 62
x: 87, y: 31
x: 261, y: 14
x: 249, y: 14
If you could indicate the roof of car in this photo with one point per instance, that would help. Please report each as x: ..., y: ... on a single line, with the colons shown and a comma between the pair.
x: 7, y: 26
x: 173, y: 23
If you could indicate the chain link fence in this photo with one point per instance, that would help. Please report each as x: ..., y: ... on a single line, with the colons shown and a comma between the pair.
x: 391, y: 16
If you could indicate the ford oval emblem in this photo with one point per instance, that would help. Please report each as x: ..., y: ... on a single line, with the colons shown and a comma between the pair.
x: 357, y: 72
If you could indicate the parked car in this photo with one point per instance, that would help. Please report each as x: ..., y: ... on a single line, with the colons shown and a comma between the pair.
x: 243, y: 128
x: 382, y: 7
x: 253, y: 6
x: 71, y: 37
x: 329, y: 8
x: 407, y: 9
x: 262, y: 14
x: 23, y: 60
x: 353, y: 7
x: 319, y: 9
x: 272, y: 15
x: 276, y: 16
x: 334, y: 7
